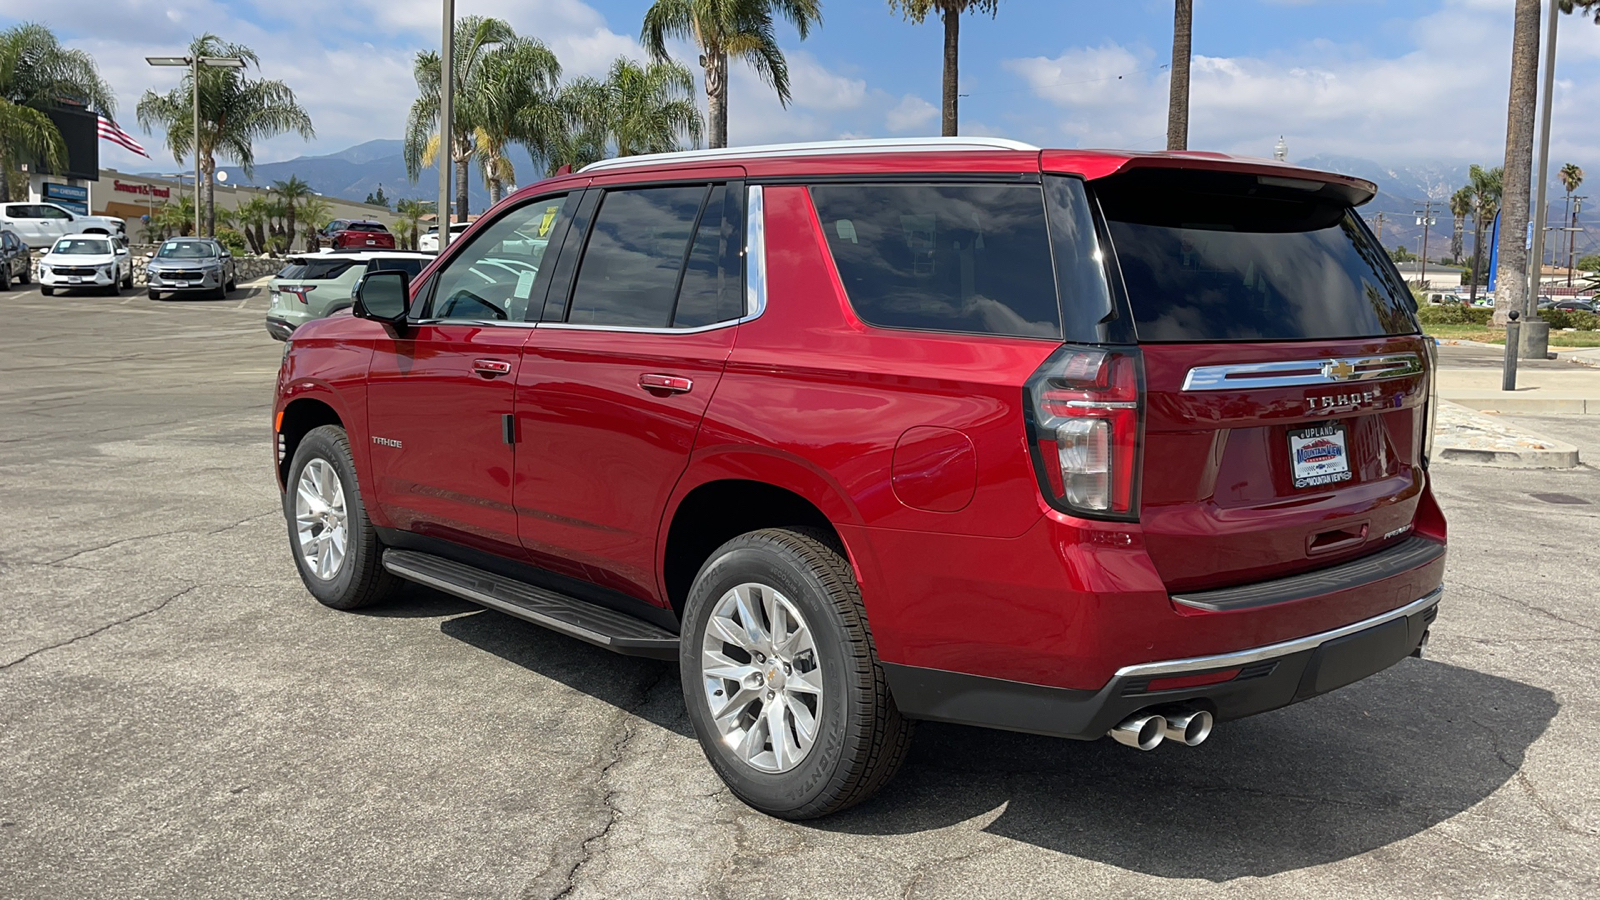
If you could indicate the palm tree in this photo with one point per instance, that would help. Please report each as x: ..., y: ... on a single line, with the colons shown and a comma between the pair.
x: 1178, y: 97
x: 514, y: 100
x: 1571, y: 177
x: 173, y: 219
x: 1511, y: 290
x: 950, y: 12
x: 36, y: 74
x: 729, y: 29
x: 1460, y: 208
x: 235, y: 112
x: 316, y: 212
x: 475, y: 38
x: 254, y: 215
x: 1486, y: 187
x: 292, y: 194
x: 637, y: 109
x: 411, y: 210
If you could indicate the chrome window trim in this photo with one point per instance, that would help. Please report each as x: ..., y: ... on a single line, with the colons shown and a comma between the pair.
x: 1271, y: 651
x: 755, y: 253
x: 1328, y: 371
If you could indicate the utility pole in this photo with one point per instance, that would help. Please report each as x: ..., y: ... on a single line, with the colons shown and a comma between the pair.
x: 1425, y: 219
x: 1572, y: 233
x: 447, y: 84
x: 1380, y: 229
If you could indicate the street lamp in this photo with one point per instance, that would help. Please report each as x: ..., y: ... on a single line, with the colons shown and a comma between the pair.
x: 194, y: 63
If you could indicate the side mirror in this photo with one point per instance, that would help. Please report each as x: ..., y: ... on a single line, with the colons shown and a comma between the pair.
x: 149, y: 254
x: 385, y: 297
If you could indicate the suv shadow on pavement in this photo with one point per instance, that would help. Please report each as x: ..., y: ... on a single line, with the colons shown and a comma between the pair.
x: 1307, y: 785
x: 622, y: 681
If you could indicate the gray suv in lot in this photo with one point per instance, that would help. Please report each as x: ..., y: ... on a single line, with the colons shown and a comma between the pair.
x: 317, y: 285
x: 191, y: 266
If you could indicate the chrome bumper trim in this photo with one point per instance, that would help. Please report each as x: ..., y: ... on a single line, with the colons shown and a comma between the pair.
x: 1257, y: 654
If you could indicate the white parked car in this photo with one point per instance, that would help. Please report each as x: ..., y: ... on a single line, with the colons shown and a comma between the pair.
x: 429, y: 242
x: 39, y: 224
x: 92, y: 261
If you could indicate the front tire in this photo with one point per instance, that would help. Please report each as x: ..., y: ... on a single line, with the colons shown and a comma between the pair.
x: 781, y: 680
x: 335, y: 547
x: 153, y: 294
x: 47, y: 290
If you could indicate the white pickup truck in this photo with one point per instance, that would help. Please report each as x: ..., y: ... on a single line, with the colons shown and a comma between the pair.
x: 39, y: 224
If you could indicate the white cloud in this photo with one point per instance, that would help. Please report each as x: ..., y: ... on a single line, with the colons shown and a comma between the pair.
x: 1443, y: 98
x: 912, y: 113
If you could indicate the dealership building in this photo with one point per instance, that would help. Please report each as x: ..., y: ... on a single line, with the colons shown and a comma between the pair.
x: 134, y: 197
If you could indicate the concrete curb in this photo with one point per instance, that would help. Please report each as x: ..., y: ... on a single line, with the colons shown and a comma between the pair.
x: 1509, y: 402
x: 1467, y: 437
x: 1589, y: 356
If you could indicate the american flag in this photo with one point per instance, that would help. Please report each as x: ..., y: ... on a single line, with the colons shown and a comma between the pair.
x: 112, y: 132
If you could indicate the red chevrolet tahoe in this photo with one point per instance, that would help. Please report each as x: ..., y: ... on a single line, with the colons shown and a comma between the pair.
x: 1066, y: 442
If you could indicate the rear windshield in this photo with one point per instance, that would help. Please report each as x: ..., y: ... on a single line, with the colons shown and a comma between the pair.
x: 314, y: 269
x: 1213, y: 257
x: 365, y: 226
x: 401, y: 264
x: 971, y: 258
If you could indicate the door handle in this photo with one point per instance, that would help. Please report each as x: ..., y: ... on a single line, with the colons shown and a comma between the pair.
x: 672, y: 384
x: 491, y: 368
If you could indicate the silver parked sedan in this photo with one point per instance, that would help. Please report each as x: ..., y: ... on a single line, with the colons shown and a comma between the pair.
x: 191, y: 266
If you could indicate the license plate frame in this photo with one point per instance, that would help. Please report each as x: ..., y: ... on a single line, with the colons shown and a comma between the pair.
x: 1319, y: 455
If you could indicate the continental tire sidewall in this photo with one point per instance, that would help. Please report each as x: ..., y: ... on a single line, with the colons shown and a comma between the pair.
x: 346, y: 590
x: 824, y: 770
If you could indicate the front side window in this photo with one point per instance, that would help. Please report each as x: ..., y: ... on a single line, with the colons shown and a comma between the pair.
x: 50, y: 212
x: 969, y: 258
x: 494, y: 277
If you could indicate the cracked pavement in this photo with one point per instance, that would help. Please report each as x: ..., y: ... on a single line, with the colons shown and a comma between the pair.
x: 178, y: 718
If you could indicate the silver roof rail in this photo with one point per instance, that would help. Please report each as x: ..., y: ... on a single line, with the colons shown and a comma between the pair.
x: 815, y: 148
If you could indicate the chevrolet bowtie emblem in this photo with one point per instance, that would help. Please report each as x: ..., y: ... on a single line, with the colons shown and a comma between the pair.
x: 1338, y: 369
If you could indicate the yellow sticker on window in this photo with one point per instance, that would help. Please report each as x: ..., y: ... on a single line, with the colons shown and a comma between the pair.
x: 548, y: 220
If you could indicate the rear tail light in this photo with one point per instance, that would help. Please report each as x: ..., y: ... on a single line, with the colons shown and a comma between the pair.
x: 298, y: 290
x: 1432, y: 407
x: 1083, y: 430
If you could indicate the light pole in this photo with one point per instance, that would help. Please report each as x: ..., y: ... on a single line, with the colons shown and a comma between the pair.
x: 447, y: 83
x: 1425, y: 219
x: 194, y: 63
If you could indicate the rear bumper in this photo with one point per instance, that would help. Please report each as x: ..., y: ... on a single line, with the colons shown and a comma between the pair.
x: 279, y: 328
x: 1263, y: 678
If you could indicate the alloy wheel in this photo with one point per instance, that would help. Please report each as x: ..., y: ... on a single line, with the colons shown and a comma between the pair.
x: 761, y: 676
x: 321, y: 519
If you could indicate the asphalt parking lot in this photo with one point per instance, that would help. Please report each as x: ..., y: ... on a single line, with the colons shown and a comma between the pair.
x: 178, y: 718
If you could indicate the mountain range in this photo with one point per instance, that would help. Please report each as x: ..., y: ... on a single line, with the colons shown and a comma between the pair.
x: 354, y: 173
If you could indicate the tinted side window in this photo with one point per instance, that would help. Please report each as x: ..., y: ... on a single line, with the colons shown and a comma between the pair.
x: 962, y: 258
x: 630, y: 268
x: 494, y: 277
x: 319, y: 270
x: 709, y: 291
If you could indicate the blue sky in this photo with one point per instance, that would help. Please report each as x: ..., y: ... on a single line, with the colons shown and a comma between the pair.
x: 1402, y: 82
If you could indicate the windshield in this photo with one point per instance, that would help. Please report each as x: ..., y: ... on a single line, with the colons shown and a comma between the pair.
x: 1219, y: 257
x: 82, y: 247
x: 186, y: 250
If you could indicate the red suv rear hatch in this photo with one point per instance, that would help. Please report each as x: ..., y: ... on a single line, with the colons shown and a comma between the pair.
x: 1286, y: 384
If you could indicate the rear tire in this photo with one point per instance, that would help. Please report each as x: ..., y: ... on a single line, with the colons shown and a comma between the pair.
x: 128, y: 282
x: 323, y: 508
x: 27, y: 274
x: 767, y: 680
x: 5, y: 276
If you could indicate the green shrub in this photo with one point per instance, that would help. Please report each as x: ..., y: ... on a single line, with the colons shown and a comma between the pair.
x: 1569, y: 318
x: 231, y: 239
x: 1455, y: 315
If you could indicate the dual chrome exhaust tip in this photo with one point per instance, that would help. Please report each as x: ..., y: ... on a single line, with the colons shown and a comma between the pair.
x: 1146, y: 730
